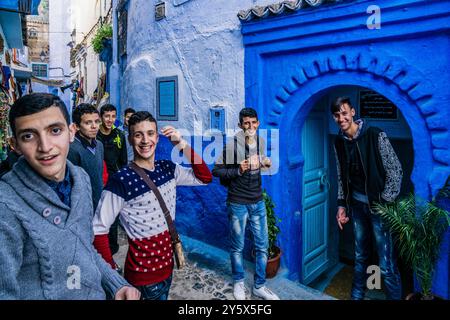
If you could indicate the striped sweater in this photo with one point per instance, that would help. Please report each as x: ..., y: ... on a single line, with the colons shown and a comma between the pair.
x: 149, y: 258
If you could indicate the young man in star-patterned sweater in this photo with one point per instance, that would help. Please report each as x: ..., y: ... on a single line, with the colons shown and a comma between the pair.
x: 149, y: 262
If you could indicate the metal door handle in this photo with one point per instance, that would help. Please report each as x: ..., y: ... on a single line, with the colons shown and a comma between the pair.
x: 324, y: 181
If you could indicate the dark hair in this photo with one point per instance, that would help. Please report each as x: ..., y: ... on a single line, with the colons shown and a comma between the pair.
x: 80, y: 110
x: 247, y: 112
x: 107, y: 108
x: 129, y: 110
x: 33, y: 103
x: 139, y: 117
x: 338, y: 103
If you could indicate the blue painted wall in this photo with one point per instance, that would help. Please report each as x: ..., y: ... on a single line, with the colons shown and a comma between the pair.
x: 296, y: 59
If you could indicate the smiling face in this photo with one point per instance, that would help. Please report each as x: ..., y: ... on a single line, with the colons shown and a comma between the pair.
x: 43, y: 139
x: 89, y: 125
x: 344, y: 117
x: 249, y: 125
x: 108, y: 119
x: 126, y: 118
x: 143, y: 138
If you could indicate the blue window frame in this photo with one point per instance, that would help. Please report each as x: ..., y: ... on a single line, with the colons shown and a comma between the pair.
x: 217, y: 119
x: 167, y: 98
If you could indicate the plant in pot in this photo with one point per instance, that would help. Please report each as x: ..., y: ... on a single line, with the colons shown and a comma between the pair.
x: 103, y: 33
x: 418, y: 227
x: 273, y: 263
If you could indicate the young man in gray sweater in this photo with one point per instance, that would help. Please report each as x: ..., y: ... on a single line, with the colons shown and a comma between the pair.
x: 86, y: 151
x: 46, y: 231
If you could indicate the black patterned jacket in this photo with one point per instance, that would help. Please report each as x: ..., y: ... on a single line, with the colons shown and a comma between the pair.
x: 382, y: 169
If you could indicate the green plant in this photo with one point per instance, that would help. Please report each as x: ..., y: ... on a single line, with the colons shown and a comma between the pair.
x: 104, y: 32
x: 272, y: 221
x: 418, y: 227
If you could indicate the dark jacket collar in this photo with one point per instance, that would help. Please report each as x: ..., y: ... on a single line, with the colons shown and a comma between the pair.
x: 85, y: 142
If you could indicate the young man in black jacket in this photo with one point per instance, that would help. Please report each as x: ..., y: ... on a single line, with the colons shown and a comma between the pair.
x: 113, y: 140
x: 368, y: 172
x: 239, y: 168
x: 115, y: 150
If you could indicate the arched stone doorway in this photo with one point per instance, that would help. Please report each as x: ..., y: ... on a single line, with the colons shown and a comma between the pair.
x: 293, y: 60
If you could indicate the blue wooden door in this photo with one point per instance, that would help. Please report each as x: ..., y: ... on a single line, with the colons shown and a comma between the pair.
x: 315, y: 196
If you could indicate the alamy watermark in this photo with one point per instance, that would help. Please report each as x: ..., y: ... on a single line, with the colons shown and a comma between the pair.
x: 73, y: 277
x: 374, y: 20
x: 210, y: 144
x: 374, y: 280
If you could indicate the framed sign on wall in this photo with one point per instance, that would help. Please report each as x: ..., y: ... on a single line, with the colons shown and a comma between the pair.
x: 375, y: 106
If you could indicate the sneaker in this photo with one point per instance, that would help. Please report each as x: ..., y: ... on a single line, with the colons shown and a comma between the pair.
x: 265, y: 293
x: 239, y: 290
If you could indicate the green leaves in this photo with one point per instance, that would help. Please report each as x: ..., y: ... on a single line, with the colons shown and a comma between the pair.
x: 104, y: 32
x: 418, y: 227
x: 272, y: 221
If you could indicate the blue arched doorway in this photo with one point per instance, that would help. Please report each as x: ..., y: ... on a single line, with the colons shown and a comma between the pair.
x: 292, y: 61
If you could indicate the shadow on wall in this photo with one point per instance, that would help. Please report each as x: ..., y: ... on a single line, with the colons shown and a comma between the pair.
x: 201, y: 211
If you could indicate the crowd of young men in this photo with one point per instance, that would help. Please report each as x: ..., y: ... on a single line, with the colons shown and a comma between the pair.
x: 54, y: 241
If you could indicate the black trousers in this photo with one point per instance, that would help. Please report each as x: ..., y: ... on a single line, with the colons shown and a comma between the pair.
x: 113, y: 233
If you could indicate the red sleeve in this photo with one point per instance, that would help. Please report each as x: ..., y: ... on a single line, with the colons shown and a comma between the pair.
x: 201, y: 170
x: 101, y: 243
x: 105, y: 173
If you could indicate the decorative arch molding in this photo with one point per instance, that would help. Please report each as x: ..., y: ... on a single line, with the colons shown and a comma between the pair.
x: 394, y: 71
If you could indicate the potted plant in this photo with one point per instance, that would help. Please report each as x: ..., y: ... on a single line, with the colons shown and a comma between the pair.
x: 273, y: 262
x: 103, y: 33
x: 418, y: 227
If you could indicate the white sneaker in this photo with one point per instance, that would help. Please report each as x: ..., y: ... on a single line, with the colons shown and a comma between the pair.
x: 265, y: 293
x: 239, y: 290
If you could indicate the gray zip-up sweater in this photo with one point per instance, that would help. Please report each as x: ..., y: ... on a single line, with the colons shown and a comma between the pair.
x: 46, y: 249
x: 242, y: 188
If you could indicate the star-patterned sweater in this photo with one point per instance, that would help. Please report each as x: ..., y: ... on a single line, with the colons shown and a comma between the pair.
x: 149, y: 258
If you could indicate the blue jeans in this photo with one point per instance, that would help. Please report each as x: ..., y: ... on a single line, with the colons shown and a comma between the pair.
x: 156, y: 291
x: 366, y: 223
x: 238, y: 215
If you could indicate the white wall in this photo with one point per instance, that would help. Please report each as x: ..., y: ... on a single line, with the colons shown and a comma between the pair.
x: 201, y: 42
x: 60, y: 28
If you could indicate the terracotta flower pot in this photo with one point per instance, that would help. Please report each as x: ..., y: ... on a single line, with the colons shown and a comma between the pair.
x: 273, y: 264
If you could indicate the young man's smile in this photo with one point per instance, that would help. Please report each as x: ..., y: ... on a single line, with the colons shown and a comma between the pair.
x: 144, y: 138
x: 108, y: 119
x: 344, y: 117
x: 48, y: 160
x: 43, y: 139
